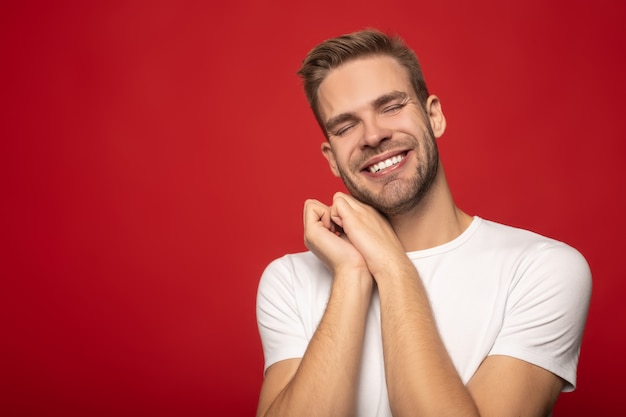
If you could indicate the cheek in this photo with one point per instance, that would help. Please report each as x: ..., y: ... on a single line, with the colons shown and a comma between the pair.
x: 413, y: 123
x: 343, y: 150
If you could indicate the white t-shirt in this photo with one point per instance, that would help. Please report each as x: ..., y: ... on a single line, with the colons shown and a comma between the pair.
x: 494, y: 290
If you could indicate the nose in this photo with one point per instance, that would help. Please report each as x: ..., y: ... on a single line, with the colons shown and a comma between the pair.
x: 374, y: 132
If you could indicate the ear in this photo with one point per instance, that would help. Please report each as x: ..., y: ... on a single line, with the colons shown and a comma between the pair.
x: 435, y: 116
x: 328, y: 153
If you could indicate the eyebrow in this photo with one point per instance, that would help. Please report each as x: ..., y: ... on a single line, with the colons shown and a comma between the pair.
x: 376, y: 104
x: 389, y: 97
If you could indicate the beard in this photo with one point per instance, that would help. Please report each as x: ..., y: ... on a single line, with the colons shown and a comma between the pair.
x: 401, y: 195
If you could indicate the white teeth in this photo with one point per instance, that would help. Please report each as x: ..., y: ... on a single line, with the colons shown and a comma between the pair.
x: 386, y: 163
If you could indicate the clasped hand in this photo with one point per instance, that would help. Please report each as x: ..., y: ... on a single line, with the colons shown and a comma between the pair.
x: 350, y: 234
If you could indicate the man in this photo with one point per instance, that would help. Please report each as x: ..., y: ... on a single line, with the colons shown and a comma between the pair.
x: 404, y: 304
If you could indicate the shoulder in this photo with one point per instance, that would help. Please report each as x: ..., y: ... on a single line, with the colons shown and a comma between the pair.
x: 291, y: 298
x: 292, y: 265
x: 292, y: 272
x: 539, y: 260
x: 513, y: 235
x: 547, y: 300
x: 525, y: 242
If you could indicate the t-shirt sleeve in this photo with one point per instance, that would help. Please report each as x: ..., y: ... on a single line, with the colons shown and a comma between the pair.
x: 278, y: 319
x: 546, y: 311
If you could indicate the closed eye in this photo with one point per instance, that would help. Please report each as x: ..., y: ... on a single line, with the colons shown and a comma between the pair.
x: 393, y: 109
x: 344, y: 129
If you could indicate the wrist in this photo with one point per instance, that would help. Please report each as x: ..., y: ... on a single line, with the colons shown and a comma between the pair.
x: 358, y: 278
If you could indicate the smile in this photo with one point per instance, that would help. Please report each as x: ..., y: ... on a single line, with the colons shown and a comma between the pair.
x: 394, y: 160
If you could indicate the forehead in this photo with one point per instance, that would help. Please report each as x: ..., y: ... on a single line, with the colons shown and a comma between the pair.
x: 357, y: 83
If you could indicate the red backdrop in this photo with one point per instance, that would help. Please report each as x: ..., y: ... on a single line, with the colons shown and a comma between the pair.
x: 156, y: 156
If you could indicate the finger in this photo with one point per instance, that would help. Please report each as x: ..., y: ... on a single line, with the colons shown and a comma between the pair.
x: 336, y: 228
x: 350, y: 200
x: 343, y: 197
x: 341, y: 208
x: 315, y: 211
x: 334, y: 213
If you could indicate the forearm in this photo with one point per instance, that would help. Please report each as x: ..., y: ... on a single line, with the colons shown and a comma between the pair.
x: 326, y: 380
x: 421, y: 378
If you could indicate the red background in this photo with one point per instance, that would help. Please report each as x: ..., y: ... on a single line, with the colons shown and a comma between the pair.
x: 156, y: 156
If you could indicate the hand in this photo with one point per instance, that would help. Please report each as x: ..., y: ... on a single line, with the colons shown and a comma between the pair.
x: 327, y: 241
x: 369, y: 232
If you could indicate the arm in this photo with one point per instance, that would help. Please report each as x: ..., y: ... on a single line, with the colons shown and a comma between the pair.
x: 421, y: 377
x: 324, y: 381
x: 506, y: 386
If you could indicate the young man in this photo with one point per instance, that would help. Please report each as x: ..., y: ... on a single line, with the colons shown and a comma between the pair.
x: 405, y: 305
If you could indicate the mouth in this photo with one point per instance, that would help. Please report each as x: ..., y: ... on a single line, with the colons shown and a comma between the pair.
x: 386, y: 163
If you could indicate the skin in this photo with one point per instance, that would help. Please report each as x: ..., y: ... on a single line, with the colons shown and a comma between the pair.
x: 364, y: 240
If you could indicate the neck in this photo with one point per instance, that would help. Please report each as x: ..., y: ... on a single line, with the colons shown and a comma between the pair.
x: 434, y: 221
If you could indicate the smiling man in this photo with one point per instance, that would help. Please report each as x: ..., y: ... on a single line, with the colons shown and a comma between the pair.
x: 404, y: 305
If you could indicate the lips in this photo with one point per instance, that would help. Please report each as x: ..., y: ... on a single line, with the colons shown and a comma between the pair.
x: 386, y: 163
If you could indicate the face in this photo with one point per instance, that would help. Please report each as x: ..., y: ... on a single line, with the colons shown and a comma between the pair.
x: 381, y: 140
